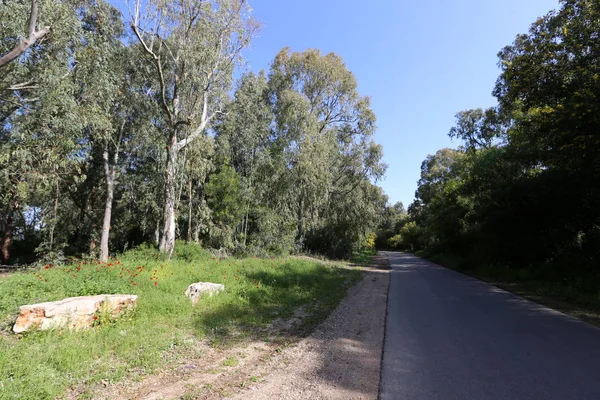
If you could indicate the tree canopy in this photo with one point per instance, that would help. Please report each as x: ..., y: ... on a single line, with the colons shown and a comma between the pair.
x: 118, y: 130
x: 523, y: 190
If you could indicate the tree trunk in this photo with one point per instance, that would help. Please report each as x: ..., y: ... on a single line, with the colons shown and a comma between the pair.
x: 157, y: 234
x: 167, y: 243
x: 109, y: 172
x: 245, y: 224
x: 10, y: 225
x: 54, y: 216
x: 93, y: 244
x: 300, y: 233
x: 190, y: 205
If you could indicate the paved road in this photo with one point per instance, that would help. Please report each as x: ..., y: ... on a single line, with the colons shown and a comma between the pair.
x: 450, y: 337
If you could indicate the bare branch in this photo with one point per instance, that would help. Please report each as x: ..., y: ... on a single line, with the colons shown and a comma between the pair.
x: 33, y: 36
x: 23, y: 86
x: 158, y: 65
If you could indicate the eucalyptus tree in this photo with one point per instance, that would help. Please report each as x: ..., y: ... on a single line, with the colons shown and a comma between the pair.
x: 324, y: 129
x: 199, y: 163
x: 194, y: 47
x: 38, y: 121
x: 243, y: 138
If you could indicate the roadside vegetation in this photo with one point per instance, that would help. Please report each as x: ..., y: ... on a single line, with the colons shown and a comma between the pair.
x: 162, y: 141
x: 518, y: 202
x: 165, y: 327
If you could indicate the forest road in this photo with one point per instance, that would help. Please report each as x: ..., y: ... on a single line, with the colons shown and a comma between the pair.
x: 449, y: 336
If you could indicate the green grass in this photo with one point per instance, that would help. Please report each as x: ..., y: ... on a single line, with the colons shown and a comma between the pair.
x: 577, y: 296
x: 165, y: 325
x: 363, y: 257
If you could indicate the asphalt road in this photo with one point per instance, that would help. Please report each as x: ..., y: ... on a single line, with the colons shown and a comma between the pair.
x: 449, y: 336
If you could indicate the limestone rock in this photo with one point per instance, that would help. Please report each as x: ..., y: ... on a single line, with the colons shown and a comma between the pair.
x: 72, y: 312
x: 195, y: 290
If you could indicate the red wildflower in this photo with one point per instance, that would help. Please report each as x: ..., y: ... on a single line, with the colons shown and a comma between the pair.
x: 155, y: 283
x: 47, y: 267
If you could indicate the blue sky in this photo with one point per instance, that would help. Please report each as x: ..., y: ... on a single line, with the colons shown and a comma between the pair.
x: 420, y: 61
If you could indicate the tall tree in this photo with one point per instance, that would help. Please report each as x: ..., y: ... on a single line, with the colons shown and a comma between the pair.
x: 324, y: 128
x: 194, y: 47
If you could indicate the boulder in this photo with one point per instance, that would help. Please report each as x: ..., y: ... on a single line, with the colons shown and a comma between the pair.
x: 73, y: 312
x: 196, y: 290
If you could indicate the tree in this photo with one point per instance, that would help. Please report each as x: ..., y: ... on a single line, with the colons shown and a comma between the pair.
x: 324, y: 130
x: 194, y: 47
x: 478, y: 128
x: 38, y: 118
x: 549, y: 86
x: 243, y: 136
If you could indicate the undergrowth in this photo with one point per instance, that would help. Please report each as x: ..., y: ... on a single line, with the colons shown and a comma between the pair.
x: 44, y: 364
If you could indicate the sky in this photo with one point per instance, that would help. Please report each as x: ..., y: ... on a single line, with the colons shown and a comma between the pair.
x: 420, y: 61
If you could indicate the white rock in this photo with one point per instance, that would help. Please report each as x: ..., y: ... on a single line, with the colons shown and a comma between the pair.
x: 195, y: 290
x: 72, y: 312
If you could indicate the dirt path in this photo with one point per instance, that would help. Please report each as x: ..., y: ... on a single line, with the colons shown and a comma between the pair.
x: 340, y: 360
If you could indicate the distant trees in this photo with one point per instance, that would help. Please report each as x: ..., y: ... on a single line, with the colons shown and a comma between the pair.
x: 114, y: 134
x: 525, y: 188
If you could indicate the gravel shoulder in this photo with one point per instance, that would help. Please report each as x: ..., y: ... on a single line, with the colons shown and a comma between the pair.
x: 342, y: 358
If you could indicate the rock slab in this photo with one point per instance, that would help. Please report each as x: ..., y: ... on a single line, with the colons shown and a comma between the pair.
x: 72, y: 312
x: 196, y: 290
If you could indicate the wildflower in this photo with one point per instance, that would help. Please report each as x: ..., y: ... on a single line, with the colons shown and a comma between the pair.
x: 47, y: 267
x: 95, y: 317
x: 155, y: 283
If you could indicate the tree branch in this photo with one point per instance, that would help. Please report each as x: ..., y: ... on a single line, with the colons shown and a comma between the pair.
x: 158, y: 65
x: 204, y: 121
x: 33, y: 36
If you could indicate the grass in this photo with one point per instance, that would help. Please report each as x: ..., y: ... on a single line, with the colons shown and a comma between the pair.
x: 165, y: 325
x: 363, y: 257
x: 579, y: 297
x: 231, y: 362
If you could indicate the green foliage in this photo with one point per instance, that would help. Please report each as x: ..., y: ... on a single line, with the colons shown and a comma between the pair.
x: 523, y: 191
x: 395, y: 242
x: 224, y: 196
x: 132, y: 139
x: 42, y: 365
